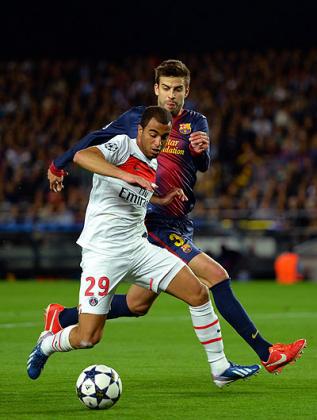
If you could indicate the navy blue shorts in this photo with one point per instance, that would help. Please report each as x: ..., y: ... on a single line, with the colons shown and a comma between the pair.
x: 175, y: 235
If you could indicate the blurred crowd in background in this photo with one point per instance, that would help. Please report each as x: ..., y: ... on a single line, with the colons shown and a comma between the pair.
x: 262, y: 113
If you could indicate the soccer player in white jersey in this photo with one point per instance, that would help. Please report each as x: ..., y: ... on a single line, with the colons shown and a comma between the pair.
x: 115, y: 248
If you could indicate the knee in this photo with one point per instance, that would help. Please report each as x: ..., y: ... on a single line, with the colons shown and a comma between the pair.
x: 88, y: 341
x: 214, y: 276
x: 140, y: 309
x: 140, y: 300
x: 201, y: 297
x: 221, y: 274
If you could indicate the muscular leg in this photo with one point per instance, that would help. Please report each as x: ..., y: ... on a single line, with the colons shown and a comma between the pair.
x: 187, y: 287
x: 88, y: 332
x: 119, y: 307
x: 216, y: 278
x: 208, y: 270
x: 85, y: 335
x: 139, y: 300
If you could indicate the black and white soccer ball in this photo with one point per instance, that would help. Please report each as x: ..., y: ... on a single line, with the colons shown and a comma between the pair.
x: 99, y: 387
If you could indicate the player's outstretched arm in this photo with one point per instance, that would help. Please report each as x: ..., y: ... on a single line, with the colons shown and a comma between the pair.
x: 56, y: 173
x: 169, y: 197
x: 94, y: 161
x: 122, y: 125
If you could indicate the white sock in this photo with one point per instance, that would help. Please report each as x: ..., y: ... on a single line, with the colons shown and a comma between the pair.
x: 207, y: 329
x: 57, y: 342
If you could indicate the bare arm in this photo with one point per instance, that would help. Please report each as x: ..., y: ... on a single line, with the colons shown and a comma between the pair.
x: 124, y: 124
x: 94, y: 161
x: 169, y: 197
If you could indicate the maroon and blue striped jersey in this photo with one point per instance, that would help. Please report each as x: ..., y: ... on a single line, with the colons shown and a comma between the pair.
x: 177, y: 167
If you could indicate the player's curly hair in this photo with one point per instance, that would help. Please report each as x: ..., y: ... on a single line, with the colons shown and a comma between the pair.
x: 172, y: 68
x: 161, y: 115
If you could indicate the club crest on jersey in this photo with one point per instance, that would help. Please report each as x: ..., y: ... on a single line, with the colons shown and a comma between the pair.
x: 93, y: 301
x: 186, y: 248
x: 112, y: 147
x: 185, y: 128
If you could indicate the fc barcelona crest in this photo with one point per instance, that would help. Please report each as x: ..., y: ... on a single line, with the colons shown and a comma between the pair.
x: 185, y: 128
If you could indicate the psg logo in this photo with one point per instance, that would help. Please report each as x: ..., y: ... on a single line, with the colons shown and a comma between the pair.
x: 112, y: 147
x: 93, y: 301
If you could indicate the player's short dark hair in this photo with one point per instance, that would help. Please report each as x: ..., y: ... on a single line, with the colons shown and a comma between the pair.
x: 172, y: 68
x: 161, y: 115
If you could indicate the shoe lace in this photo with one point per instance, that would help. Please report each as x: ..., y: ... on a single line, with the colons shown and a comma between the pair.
x: 232, y: 363
x: 235, y: 365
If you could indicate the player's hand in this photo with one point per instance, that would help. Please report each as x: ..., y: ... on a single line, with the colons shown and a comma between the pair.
x: 56, y: 182
x: 199, y: 142
x: 138, y: 180
x: 169, y: 197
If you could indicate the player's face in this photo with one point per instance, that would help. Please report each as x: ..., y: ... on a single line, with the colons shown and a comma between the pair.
x: 152, y: 138
x: 171, y: 93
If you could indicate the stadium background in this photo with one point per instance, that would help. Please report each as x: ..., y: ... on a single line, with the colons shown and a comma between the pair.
x: 72, y: 66
x: 70, y: 70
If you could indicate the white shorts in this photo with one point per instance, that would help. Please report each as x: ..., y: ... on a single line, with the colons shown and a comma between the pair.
x: 146, y: 265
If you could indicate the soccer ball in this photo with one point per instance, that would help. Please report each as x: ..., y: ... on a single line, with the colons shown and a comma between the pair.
x: 99, y: 387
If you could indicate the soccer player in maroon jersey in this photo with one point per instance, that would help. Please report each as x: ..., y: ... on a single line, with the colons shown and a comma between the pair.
x: 186, y: 152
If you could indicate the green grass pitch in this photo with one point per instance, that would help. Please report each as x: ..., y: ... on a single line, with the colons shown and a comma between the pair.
x: 163, y: 368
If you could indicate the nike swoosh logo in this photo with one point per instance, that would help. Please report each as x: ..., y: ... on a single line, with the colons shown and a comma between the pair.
x: 254, y: 335
x: 278, y: 362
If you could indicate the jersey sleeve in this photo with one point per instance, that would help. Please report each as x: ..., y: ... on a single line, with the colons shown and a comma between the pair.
x: 122, y: 125
x: 202, y: 161
x: 116, y: 150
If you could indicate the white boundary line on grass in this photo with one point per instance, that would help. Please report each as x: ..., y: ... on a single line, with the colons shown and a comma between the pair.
x: 20, y: 325
x: 168, y: 318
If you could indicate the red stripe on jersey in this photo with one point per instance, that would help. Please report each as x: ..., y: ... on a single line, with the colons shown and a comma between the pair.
x: 206, y: 326
x: 211, y: 341
x: 151, y: 284
x: 135, y: 166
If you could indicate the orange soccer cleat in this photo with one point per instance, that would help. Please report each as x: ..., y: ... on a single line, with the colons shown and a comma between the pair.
x: 51, y: 321
x: 283, y: 354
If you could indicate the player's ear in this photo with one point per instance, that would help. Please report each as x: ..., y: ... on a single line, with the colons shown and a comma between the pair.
x: 140, y: 130
x: 156, y: 89
x: 186, y: 91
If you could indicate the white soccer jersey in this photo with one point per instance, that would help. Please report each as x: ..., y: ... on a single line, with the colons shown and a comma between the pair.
x: 116, y: 210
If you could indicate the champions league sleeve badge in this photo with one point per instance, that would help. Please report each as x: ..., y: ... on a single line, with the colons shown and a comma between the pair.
x: 112, y: 147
